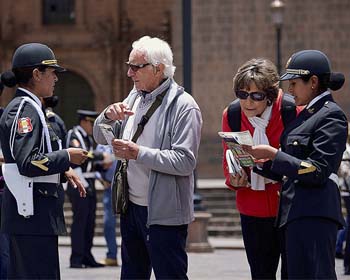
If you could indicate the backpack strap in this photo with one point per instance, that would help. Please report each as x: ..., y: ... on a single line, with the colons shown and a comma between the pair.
x: 288, y: 109
x: 234, y: 115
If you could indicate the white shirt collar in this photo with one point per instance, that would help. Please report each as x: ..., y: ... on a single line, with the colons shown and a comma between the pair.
x: 32, y: 95
x: 318, y: 97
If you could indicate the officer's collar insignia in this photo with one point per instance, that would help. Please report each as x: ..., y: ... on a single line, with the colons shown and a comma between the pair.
x: 311, y: 110
x: 24, y: 125
x: 50, y: 114
x: 288, y: 62
x: 40, y: 163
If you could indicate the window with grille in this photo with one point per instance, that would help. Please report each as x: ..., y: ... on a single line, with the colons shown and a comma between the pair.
x: 58, y: 11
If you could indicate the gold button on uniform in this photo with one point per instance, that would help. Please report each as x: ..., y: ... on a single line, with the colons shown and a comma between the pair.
x: 295, y: 143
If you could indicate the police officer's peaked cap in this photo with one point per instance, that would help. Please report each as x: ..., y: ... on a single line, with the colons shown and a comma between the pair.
x: 87, y: 115
x: 34, y: 54
x: 306, y: 63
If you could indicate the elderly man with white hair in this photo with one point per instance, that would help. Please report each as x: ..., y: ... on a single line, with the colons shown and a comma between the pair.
x: 160, y: 162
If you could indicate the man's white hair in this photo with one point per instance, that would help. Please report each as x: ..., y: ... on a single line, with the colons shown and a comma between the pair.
x: 156, y: 52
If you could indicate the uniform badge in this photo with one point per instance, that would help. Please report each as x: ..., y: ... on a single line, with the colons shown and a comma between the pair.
x: 41, y: 163
x: 306, y: 167
x: 24, y: 125
x: 311, y: 110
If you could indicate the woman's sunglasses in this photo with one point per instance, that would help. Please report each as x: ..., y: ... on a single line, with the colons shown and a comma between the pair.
x: 255, y: 96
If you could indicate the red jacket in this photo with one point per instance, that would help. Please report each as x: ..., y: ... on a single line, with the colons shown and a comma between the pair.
x: 250, y: 202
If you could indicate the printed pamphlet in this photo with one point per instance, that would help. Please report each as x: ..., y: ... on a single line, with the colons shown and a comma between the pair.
x: 237, y: 157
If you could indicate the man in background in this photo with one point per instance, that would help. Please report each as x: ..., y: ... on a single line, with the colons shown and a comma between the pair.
x: 107, y: 170
x: 84, y: 210
x: 55, y: 120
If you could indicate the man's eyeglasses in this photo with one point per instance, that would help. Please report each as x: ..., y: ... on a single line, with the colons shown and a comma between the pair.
x: 255, y: 96
x: 136, y: 67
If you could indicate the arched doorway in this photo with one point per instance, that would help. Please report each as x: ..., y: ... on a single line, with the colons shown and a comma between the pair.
x: 74, y: 93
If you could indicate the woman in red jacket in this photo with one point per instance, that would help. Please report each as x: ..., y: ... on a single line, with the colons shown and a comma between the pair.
x: 256, y: 85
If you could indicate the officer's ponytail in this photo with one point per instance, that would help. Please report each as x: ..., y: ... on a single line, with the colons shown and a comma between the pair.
x: 8, y: 78
x: 336, y: 81
x: 333, y: 81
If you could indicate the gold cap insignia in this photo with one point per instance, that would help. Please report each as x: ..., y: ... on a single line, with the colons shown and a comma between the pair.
x: 288, y: 62
x: 49, y: 62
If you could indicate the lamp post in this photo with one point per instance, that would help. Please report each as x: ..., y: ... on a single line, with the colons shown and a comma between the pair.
x: 187, y: 75
x: 277, y: 9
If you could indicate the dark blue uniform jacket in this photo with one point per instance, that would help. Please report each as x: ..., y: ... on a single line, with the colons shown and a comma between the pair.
x: 312, y: 149
x: 48, y: 198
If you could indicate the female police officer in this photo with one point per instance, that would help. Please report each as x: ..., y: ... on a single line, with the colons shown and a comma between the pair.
x: 32, y: 207
x: 312, y: 148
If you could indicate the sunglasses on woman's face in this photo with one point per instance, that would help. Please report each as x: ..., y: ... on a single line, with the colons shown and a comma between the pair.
x: 255, y: 96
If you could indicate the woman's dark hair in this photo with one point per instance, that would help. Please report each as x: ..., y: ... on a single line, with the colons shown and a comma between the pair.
x: 8, y: 79
x: 334, y: 81
x: 19, y: 75
x: 263, y: 73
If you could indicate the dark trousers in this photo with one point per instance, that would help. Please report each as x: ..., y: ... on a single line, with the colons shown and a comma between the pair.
x: 33, y: 257
x: 262, y: 242
x: 4, y: 251
x: 346, y: 200
x: 4, y: 255
x: 83, y: 226
x: 159, y: 247
x: 310, y: 248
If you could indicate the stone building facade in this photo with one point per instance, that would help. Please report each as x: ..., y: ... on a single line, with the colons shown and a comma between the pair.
x: 92, y: 39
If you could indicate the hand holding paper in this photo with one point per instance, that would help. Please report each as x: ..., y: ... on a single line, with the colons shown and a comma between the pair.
x: 107, y: 132
x: 261, y: 152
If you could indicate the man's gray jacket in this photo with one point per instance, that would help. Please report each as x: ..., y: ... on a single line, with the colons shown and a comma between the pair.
x: 172, y: 158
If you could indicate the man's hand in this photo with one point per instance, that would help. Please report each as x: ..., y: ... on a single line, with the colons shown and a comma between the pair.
x: 125, y: 149
x: 77, y: 155
x: 74, y: 180
x: 118, y: 111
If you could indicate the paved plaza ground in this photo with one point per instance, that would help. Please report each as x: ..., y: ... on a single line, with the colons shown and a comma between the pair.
x: 222, y: 264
